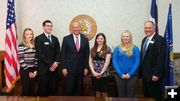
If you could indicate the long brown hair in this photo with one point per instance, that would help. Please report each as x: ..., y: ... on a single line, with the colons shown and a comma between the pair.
x: 24, y: 38
x: 95, y: 47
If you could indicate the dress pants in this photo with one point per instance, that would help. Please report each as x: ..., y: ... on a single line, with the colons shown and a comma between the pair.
x: 73, y: 84
x: 153, y: 89
x: 28, y: 85
x: 47, y: 84
x: 126, y: 88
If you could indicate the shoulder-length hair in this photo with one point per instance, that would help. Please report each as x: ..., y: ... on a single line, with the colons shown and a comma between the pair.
x: 127, y: 48
x: 103, y: 50
x: 24, y: 38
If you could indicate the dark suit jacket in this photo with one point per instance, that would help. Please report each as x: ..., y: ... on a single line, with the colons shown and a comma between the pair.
x: 154, y: 59
x: 71, y: 59
x: 47, y: 52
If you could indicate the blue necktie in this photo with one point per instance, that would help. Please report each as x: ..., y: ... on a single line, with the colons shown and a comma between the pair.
x: 49, y: 37
x: 144, y: 48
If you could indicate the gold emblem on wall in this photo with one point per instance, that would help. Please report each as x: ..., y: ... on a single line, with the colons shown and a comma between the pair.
x: 88, y: 25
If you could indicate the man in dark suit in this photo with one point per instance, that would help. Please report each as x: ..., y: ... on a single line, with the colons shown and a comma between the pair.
x: 74, y: 60
x: 152, y: 62
x: 48, y: 52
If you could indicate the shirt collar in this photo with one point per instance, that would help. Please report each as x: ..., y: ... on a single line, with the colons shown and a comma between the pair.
x: 76, y: 35
x: 47, y: 34
x: 150, y: 37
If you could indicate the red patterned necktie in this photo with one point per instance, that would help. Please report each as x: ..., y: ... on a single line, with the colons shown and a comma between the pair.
x: 77, y: 43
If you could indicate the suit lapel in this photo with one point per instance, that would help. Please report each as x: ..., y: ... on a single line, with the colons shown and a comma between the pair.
x: 72, y: 43
x: 44, y: 36
x: 142, y: 49
x: 143, y: 43
x: 52, y: 39
x: 47, y: 40
x: 82, y: 41
x: 151, y: 44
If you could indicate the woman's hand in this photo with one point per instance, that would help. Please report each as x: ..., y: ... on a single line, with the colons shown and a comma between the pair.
x: 31, y: 75
x: 123, y: 76
x: 127, y: 76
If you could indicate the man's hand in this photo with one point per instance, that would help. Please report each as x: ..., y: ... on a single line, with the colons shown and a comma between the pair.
x: 64, y: 71
x: 53, y: 66
x: 155, y: 78
x: 85, y: 72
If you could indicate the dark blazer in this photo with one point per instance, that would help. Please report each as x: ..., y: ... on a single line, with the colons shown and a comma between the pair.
x: 47, y: 52
x: 71, y: 59
x: 154, y: 59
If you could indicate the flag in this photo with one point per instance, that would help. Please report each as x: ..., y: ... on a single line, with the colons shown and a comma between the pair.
x: 11, y: 54
x: 154, y: 14
x: 168, y: 35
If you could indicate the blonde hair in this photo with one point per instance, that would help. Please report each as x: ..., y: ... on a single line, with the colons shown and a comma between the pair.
x: 24, y: 38
x: 127, y: 48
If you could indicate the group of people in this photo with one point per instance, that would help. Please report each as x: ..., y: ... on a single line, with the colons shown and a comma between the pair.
x: 40, y: 58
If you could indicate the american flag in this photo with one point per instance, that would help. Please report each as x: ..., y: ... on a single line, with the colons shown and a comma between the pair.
x: 11, y: 55
x: 154, y: 14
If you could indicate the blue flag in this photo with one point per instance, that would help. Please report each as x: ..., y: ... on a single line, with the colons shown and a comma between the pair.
x: 169, y: 63
x: 154, y: 14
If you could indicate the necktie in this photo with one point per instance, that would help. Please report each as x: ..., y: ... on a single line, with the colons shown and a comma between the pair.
x: 49, y: 37
x: 77, y: 43
x: 144, y: 47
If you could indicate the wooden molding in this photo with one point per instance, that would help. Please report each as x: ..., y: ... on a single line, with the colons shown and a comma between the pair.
x: 1, y: 55
x: 1, y: 59
x: 176, y: 55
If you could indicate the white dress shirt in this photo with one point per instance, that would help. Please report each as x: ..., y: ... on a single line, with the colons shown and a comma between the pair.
x: 150, y: 39
x: 47, y: 35
x: 79, y: 37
